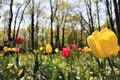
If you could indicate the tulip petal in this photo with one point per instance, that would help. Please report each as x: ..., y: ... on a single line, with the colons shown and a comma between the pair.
x: 108, y: 41
x: 95, y: 46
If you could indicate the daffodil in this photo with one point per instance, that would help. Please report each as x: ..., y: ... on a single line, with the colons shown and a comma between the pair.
x: 9, y: 65
x: 56, y: 50
x: 20, y: 72
x: 13, y: 49
x: 91, y: 78
x: 41, y: 48
x: 9, y: 49
x: 48, y: 48
x: 5, y: 48
x: 45, y: 58
x: 104, y: 43
x: 35, y: 51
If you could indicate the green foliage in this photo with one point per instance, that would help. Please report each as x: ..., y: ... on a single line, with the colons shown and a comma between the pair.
x: 72, y: 37
x: 80, y: 66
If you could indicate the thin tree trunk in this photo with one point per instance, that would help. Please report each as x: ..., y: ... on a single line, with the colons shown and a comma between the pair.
x: 57, y: 36
x: 98, y: 16
x: 10, y: 21
x: 32, y: 26
x: 16, y: 20
x: 63, y: 29
x: 37, y: 28
x: 21, y: 19
x: 91, y: 18
x: 110, y: 16
x: 86, y: 3
x: 63, y: 33
x: 117, y: 18
x: 51, y: 23
x: 53, y: 14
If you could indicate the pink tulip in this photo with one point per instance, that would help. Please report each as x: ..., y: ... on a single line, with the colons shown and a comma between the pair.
x: 18, y: 50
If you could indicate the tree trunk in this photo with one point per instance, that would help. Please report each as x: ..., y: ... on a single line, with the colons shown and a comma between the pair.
x: 10, y: 21
x: 36, y: 40
x: 117, y: 15
x: 16, y: 21
x: 110, y: 16
x: 63, y: 33
x: 21, y: 19
x: 32, y: 26
x: 87, y: 6
x: 98, y: 16
x: 63, y: 29
x: 91, y: 18
x: 57, y: 36
x: 51, y: 23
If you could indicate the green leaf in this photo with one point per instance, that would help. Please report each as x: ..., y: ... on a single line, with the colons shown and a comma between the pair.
x: 36, y: 67
x: 55, y: 76
x: 61, y: 73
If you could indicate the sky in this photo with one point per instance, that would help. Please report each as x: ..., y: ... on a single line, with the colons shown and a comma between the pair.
x: 47, y: 10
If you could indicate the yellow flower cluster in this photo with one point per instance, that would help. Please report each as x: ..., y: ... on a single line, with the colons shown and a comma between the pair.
x: 104, y: 43
x: 5, y: 49
x: 48, y: 49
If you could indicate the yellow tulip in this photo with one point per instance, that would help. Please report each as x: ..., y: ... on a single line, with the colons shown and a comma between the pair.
x: 48, y: 48
x: 104, y: 43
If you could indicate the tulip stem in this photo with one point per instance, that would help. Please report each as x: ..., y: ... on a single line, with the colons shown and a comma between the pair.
x: 112, y: 68
x: 17, y: 60
x: 98, y: 63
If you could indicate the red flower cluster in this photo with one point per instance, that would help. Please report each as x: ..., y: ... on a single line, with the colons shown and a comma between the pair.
x: 19, y: 40
x: 66, y: 52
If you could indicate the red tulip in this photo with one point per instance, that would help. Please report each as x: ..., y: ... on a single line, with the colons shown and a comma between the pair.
x: 19, y: 40
x: 74, y: 46
x: 66, y: 52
